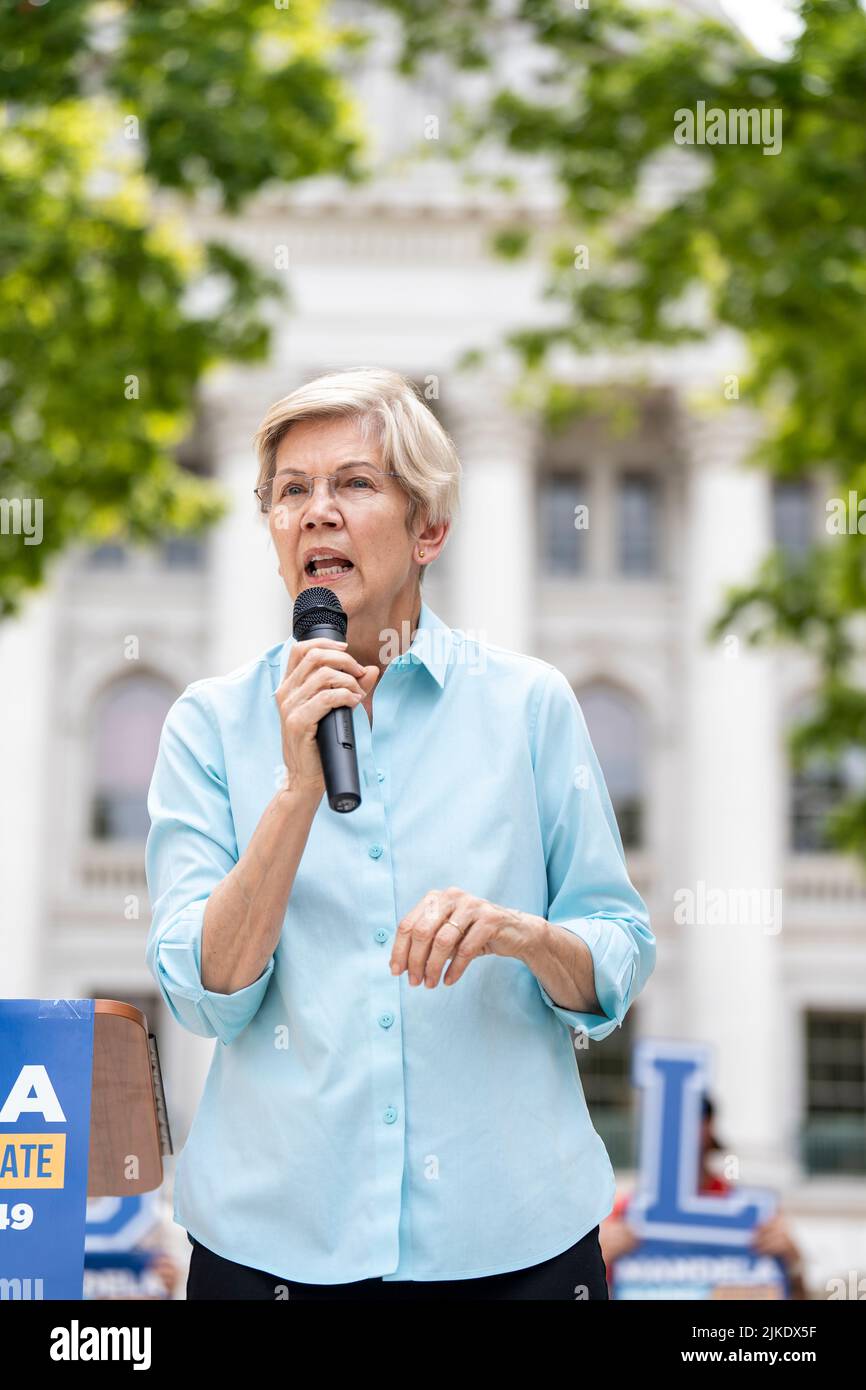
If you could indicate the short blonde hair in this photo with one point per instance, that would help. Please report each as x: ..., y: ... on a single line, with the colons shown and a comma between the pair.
x: 388, y: 409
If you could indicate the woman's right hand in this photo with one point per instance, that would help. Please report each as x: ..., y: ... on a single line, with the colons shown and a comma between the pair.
x: 320, y: 675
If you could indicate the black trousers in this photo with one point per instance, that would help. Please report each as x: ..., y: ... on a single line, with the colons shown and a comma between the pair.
x: 577, y: 1274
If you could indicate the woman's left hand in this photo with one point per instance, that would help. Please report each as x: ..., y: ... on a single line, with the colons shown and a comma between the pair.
x: 450, y: 923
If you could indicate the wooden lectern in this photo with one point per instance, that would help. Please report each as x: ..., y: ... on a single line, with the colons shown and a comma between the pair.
x: 129, y: 1130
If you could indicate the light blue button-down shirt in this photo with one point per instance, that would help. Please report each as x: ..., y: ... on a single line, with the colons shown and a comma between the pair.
x: 352, y: 1125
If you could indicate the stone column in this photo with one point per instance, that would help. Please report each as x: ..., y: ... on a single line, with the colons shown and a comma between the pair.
x: 730, y: 804
x: 493, y: 537
x: 29, y: 709
x: 250, y: 608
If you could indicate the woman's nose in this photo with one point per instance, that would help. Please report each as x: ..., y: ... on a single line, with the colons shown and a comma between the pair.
x: 322, y: 502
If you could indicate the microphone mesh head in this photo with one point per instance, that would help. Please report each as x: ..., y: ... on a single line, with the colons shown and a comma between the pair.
x: 316, y: 606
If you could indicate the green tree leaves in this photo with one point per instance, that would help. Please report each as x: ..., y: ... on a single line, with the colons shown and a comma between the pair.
x: 771, y: 245
x: 102, y: 106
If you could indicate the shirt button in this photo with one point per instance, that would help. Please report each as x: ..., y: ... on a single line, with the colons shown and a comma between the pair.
x: 381, y: 776
x: 381, y: 935
x: 375, y: 851
x: 390, y: 1115
x: 385, y: 1020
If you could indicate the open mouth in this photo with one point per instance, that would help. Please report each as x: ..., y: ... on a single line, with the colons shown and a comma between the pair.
x: 328, y: 569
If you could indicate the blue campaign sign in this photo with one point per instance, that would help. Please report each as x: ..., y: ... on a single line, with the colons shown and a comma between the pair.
x: 119, y: 1223
x: 679, y: 1270
x: 123, y: 1274
x: 46, y: 1067
x: 693, y: 1244
x: 113, y: 1267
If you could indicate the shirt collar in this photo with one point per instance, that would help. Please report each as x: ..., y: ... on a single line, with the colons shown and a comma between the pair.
x: 431, y: 647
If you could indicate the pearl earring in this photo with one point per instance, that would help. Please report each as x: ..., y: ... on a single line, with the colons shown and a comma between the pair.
x: 420, y: 552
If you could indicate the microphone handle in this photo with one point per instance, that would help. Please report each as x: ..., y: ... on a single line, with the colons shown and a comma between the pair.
x: 335, y: 736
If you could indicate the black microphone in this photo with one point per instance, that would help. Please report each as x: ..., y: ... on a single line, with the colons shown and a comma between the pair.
x: 319, y: 613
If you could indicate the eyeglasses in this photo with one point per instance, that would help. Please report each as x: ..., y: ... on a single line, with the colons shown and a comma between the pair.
x: 352, y: 485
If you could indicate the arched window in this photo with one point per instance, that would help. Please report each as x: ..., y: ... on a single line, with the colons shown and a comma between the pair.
x: 127, y: 721
x: 818, y: 788
x: 617, y: 729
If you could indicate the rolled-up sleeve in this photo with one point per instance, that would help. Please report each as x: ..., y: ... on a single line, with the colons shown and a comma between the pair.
x: 191, y: 846
x: 589, y: 891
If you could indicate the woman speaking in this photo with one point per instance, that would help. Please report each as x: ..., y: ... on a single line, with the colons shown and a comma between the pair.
x: 393, y: 1109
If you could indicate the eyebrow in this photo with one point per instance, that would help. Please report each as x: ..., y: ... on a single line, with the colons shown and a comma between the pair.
x: 353, y: 463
